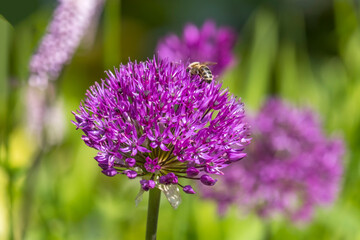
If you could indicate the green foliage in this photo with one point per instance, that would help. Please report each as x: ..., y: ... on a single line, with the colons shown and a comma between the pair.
x: 59, y: 193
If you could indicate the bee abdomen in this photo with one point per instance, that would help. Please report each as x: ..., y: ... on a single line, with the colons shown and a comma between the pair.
x: 206, y: 74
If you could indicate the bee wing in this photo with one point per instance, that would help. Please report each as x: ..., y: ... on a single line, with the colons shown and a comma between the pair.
x: 209, y: 63
x: 139, y: 197
x: 172, y: 194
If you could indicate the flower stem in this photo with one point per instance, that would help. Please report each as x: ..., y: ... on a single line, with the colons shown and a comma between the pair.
x: 153, y: 213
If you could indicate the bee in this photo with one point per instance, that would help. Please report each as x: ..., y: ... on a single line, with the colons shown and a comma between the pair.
x: 201, y: 69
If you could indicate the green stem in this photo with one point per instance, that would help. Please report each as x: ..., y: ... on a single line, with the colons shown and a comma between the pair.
x: 7, y: 102
x: 267, y: 231
x: 153, y: 213
x: 31, y: 181
x: 11, y: 205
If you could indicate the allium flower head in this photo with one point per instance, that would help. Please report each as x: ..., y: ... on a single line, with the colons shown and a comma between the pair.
x: 155, y: 121
x: 291, y: 166
x: 208, y: 44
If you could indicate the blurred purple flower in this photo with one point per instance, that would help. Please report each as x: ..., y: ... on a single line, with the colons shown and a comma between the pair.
x: 70, y: 21
x: 208, y: 44
x: 64, y: 33
x: 166, y: 121
x: 45, y: 115
x: 291, y: 166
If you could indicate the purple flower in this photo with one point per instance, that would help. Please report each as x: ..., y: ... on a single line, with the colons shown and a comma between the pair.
x: 130, y: 162
x: 291, y: 166
x: 208, y: 44
x: 188, y: 189
x: 192, y: 171
x: 147, y: 184
x: 110, y: 172
x: 70, y: 21
x: 207, y: 180
x: 156, y: 119
x: 151, y: 165
x: 130, y: 174
x: 170, y: 178
x: 45, y: 115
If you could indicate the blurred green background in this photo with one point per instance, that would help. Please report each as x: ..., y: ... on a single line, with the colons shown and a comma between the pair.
x: 305, y: 51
